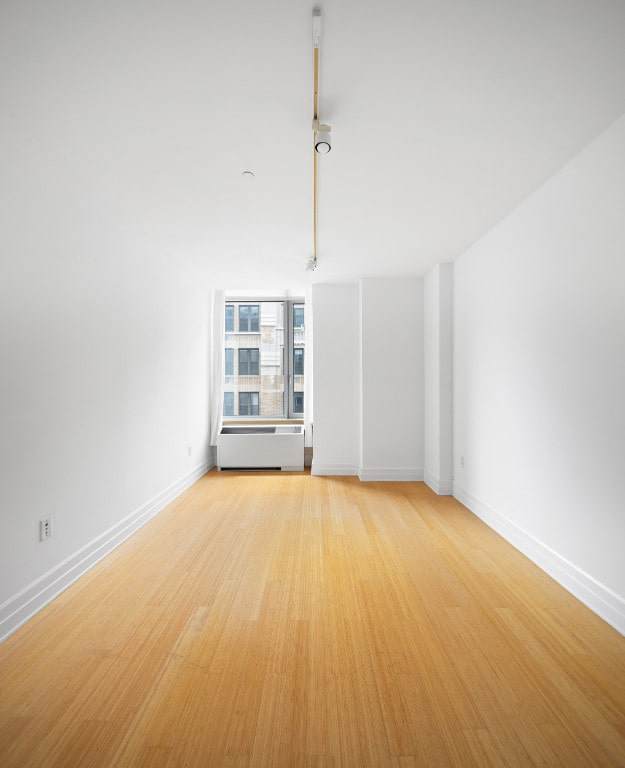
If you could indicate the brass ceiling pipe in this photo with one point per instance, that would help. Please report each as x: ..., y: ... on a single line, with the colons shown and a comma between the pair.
x: 321, y: 133
x: 316, y: 40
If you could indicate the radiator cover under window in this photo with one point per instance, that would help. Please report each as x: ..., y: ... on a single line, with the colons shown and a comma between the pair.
x: 261, y: 447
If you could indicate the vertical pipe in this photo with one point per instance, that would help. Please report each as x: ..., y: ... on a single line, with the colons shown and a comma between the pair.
x: 316, y: 38
x: 315, y: 104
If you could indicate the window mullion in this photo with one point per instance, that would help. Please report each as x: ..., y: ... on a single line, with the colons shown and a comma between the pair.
x: 288, y: 332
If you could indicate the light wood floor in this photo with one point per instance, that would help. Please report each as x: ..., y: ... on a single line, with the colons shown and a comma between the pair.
x: 288, y: 620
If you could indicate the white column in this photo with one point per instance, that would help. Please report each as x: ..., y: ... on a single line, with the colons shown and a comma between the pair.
x: 335, y: 380
x: 391, y: 370
x: 438, y: 355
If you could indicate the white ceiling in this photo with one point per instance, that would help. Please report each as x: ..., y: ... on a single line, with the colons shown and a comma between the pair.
x: 445, y: 115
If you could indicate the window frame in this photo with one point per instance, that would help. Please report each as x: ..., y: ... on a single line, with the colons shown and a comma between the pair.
x: 252, y: 405
x: 229, y: 415
x: 296, y: 371
x: 295, y: 395
x: 228, y: 361
x: 288, y: 360
x: 249, y: 362
x: 296, y: 308
x: 229, y: 321
x: 249, y: 306
x: 289, y: 353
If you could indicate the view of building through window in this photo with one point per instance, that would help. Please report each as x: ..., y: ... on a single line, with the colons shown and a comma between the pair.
x: 264, y: 359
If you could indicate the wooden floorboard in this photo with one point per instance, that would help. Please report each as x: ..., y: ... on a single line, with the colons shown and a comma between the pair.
x: 289, y: 620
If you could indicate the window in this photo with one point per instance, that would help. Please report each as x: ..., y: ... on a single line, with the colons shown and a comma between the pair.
x: 229, y: 318
x: 228, y: 403
x: 229, y: 361
x: 275, y: 355
x: 298, y: 361
x: 248, y: 403
x: 248, y: 362
x: 298, y: 316
x: 248, y: 318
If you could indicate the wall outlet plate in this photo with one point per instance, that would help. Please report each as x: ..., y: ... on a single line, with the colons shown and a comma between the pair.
x: 45, y: 529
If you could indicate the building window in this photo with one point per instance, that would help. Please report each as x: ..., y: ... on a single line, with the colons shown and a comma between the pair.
x: 298, y: 361
x: 248, y: 362
x: 229, y: 361
x: 229, y: 318
x: 298, y: 315
x: 228, y: 403
x: 248, y: 403
x: 275, y: 356
x: 248, y: 318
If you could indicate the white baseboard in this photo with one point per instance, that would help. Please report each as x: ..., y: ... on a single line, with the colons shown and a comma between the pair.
x: 440, y: 487
x: 322, y: 470
x: 601, y: 599
x: 391, y: 474
x: 25, y: 604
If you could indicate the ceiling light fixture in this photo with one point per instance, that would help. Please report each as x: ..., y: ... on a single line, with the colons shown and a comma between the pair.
x: 323, y: 145
x: 322, y: 137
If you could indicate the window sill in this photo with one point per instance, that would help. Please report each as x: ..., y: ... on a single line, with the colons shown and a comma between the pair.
x: 257, y: 420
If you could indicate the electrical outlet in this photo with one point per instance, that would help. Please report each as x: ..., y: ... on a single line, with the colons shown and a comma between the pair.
x: 45, y: 529
x: 188, y: 450
x: 462, y: 461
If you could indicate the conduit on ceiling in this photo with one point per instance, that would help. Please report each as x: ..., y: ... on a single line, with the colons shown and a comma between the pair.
x: 321, y: 133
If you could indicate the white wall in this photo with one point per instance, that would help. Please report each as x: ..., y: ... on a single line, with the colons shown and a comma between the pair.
x: 540, y: 376
x: 336, y: 383
x: 438, y: 356
x: 392, y: 383
x: 103, y: 387
x: 368, y: 379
